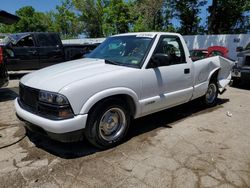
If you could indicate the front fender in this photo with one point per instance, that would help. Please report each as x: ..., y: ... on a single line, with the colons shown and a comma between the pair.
x: 108, y: 93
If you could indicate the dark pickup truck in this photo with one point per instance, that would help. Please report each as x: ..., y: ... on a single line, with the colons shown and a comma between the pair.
x: 31, y: 51
x: 241, y: 70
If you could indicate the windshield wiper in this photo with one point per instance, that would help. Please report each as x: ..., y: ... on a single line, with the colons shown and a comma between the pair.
x: 107, y: 61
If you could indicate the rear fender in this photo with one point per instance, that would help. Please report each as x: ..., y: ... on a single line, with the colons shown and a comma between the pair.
x: 223, y: 66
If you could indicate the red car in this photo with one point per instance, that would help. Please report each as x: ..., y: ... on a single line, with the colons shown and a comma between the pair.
x: 198, y: 54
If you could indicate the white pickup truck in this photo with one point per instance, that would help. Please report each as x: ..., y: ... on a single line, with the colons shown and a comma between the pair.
x: 128, y: 76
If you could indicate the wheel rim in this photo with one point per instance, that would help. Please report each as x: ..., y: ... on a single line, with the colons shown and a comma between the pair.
x: 112, y: 124
x: 211, y: 93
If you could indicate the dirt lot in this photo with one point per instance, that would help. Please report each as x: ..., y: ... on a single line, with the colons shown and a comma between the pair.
x: 187, y: 146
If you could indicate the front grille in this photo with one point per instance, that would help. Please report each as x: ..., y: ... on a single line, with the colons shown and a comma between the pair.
x: 29, y: 97
x: 29, y: 100
x: 247, y: 61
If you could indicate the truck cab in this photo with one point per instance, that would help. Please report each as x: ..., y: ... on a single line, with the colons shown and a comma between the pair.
x: 30, y: 51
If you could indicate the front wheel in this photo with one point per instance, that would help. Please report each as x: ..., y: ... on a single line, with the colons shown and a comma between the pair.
x: 108, y: 123
x: 210, y: 98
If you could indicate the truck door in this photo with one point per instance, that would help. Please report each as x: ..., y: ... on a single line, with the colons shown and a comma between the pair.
x: 169, y: 76
x: 22, y: 55
x: 50, y: 49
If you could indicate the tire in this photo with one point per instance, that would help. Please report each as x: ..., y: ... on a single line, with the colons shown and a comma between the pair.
x: 210, y: 98
x: 107, y: 124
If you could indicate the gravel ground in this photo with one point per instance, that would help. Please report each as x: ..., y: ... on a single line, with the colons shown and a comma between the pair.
x: 187, y: 146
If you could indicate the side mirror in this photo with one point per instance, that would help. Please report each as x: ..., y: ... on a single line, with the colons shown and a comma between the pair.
x: 239, y: 49
x: 160, y: 59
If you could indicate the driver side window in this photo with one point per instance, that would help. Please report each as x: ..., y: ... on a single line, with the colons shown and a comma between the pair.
x: 25, y: 42
x: 169, y: 51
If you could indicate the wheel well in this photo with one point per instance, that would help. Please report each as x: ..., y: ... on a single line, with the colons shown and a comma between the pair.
x: 214, y: 76
x: 126, y: 99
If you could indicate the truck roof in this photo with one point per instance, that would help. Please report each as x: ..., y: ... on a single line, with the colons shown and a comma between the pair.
x: 145, y: 34
x: 18, y: 36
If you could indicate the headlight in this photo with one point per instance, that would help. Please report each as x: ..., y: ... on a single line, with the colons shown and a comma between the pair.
x: 52, y: 98
x: 54, y: 106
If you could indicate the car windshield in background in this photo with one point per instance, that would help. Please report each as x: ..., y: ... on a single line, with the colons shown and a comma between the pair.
x: 4, y: 39
x: 124, y: 50
x: 198, y: 53
x: 248, y: 47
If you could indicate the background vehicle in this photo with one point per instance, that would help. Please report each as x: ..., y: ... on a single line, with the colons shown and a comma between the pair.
x: 241, y: 70
x: 128, y: 76
x: 198, y: 54
x: 30, y: 51
x: 5, y: 18
x: 4, y: 78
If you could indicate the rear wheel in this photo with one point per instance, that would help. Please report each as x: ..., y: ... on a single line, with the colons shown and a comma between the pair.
x: 108, y: 123
x: 210, y: 98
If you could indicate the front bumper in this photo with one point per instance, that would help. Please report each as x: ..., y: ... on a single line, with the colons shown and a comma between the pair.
x: 55, y: 129
x: 236, y: 73
x: 240, y: 72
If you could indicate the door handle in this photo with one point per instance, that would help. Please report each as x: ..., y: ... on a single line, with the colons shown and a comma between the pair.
x: 32, y: 51
x: 56, y: 50
x: 186, y: 71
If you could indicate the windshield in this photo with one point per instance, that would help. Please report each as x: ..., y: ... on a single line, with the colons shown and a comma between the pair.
x: 123, y: 50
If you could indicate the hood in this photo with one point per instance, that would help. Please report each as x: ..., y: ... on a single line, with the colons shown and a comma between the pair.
x: 56, y: 77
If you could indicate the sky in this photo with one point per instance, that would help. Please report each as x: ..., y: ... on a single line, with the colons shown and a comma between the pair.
x: 39, y: 5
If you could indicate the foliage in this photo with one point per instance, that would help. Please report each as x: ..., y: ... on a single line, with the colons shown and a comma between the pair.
x: 147, y: 15
x: 228, y: 16
x: 91, y: 15
x: 30, y: 21
x: 187, y: 11
x: 99, y: 18
x: 65, y: 20
x: 168, y: 15
x: 116, y: 17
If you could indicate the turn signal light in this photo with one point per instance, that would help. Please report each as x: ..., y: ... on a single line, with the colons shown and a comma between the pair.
x: 65, y: 113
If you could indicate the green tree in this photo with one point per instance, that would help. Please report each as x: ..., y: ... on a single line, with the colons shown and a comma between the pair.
x: 30, y: 21
x: 147, y: 15
x: 91, y: 15
x: 65, y: 21
x: 187, y: 11
x: 168, y: 14
x: 228, y: 16
x: 116, y: 17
